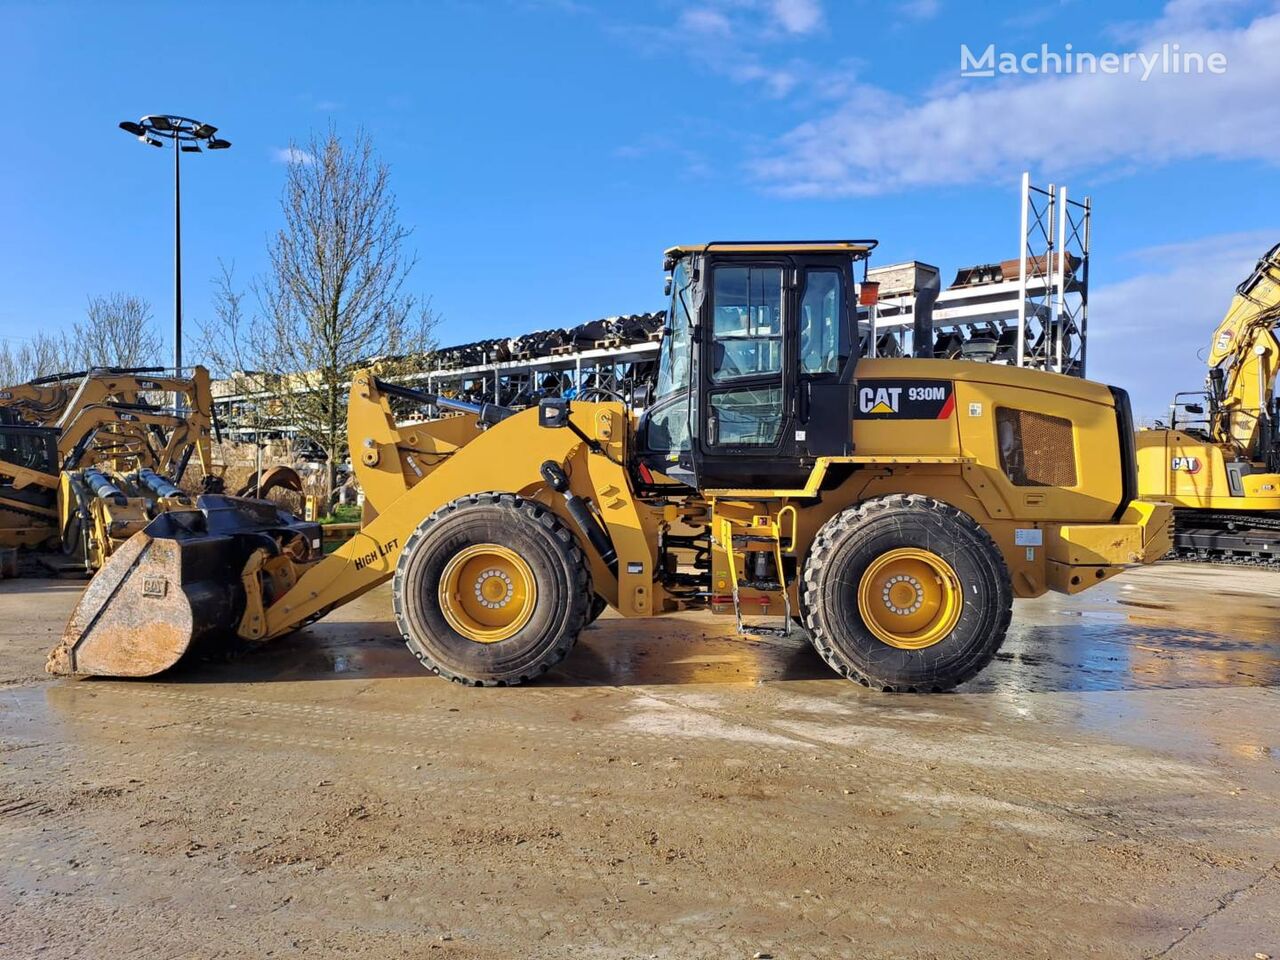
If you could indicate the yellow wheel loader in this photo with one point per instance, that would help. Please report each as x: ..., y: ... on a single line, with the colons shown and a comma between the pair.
x: 1218, y: 463
x: 894, y: 507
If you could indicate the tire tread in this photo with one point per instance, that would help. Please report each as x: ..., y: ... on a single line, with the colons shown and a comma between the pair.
x: 540, y: 515
x: 845, y: 524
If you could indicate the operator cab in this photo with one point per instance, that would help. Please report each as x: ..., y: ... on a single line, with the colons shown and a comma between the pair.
x: 29, y: 447
x: 756, y: 365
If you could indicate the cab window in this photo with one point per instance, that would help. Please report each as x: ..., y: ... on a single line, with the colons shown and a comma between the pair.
x: 824, y: 339
x: 747, y: 322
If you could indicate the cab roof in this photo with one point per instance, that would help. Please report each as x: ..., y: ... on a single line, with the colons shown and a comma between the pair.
x: 853, y: 248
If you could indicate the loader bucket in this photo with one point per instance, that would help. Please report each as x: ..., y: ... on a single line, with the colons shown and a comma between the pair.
x: 173, y: 585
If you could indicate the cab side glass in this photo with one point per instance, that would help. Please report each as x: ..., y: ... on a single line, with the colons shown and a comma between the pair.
x: 747, y: 324
x: 824, y: 339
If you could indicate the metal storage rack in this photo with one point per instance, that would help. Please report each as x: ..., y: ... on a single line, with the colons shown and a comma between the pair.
x: 1031, y: 311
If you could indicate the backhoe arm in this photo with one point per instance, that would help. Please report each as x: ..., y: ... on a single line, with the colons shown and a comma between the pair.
x: 1244, y: 358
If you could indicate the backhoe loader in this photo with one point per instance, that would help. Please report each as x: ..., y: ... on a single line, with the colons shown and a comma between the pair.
x: 53, y: 400
x: 893, y: 507
x: 1218, y: 463
x: 97, y: 422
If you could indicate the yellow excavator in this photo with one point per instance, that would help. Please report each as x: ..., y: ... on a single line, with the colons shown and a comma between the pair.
x: 1218, y: 460
x: 894, y: 507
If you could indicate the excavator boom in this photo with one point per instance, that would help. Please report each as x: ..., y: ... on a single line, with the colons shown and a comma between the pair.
x: 1220, y: 467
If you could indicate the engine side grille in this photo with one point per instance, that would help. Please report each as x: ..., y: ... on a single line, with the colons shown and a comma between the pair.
x: 1036, y: 450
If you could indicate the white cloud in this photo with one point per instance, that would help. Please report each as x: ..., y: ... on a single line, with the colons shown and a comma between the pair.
x: 797, y: 16
x: 695, y: 165
x: 986, y: 130
x: 729, y: 37
x: 1150, y: 332
x: 292, y: 155
x: 1179, y: 16
x: 919, y: 9
x: 705, y: 20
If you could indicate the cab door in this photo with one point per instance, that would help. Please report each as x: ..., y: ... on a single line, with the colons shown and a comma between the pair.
x: 747, y: 435
x: 825, y: 358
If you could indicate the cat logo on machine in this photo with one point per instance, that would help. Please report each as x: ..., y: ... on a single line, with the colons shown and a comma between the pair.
x: 906, y: 399
x: 1185, y: 464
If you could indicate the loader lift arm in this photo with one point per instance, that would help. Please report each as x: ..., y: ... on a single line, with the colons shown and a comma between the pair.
x: 255, y: 582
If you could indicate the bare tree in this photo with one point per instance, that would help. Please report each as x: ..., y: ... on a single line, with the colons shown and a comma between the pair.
x: 36, y: 356
x: 117, y: 331
x: 334, y: 296
x: 226, y: 343
x: 12, y: 370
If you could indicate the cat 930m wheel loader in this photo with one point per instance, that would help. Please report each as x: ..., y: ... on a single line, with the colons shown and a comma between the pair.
x: 894, y: 507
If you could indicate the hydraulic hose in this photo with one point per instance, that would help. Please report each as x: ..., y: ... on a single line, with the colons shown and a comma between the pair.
x: 489, y: 413
x: 580, y: 510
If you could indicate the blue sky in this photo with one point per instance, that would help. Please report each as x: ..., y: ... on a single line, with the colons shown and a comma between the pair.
x: 546, y: 152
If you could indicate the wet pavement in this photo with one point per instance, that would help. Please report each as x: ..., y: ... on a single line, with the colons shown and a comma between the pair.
x: 1110, y: 787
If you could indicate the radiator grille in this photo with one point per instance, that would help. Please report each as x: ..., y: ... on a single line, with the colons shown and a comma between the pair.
x: 1036, y: 450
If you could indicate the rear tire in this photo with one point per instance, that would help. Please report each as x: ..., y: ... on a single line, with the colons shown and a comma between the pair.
x: 906, y: 593
x: 491, y: 590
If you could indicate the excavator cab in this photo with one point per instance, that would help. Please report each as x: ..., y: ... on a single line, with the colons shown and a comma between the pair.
x: 755, y: 377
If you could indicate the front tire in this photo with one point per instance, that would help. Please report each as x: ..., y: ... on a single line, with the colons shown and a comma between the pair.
x: 491, y: 590
x: 906, y: 593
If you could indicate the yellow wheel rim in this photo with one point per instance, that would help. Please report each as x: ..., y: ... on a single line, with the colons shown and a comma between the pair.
x: 487, y: 593
x: 910, y: 598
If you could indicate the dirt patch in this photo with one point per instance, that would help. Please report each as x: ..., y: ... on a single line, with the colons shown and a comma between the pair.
x: 672, y: 792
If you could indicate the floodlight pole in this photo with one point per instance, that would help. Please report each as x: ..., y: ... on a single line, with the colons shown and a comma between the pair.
x: 185, y: 134
x: 177, y: 259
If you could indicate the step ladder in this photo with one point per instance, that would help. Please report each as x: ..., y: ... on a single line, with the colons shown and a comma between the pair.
x: 762, y: 533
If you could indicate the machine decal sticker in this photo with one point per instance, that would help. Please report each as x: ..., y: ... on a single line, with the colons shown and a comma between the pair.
x: 906, y: 399
x: 1185, y: 464
x: 384, y: 549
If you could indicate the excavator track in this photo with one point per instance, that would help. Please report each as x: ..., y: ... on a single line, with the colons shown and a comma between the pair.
x: 1237, y: 539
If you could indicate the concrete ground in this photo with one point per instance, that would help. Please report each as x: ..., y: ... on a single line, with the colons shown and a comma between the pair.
x: 1109, y: 788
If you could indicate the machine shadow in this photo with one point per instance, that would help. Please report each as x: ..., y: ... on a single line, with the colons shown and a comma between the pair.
x: 618, y: 653
x: 611, y: 652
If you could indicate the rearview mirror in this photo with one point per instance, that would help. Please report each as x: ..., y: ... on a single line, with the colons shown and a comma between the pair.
x: 1193, y: 408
